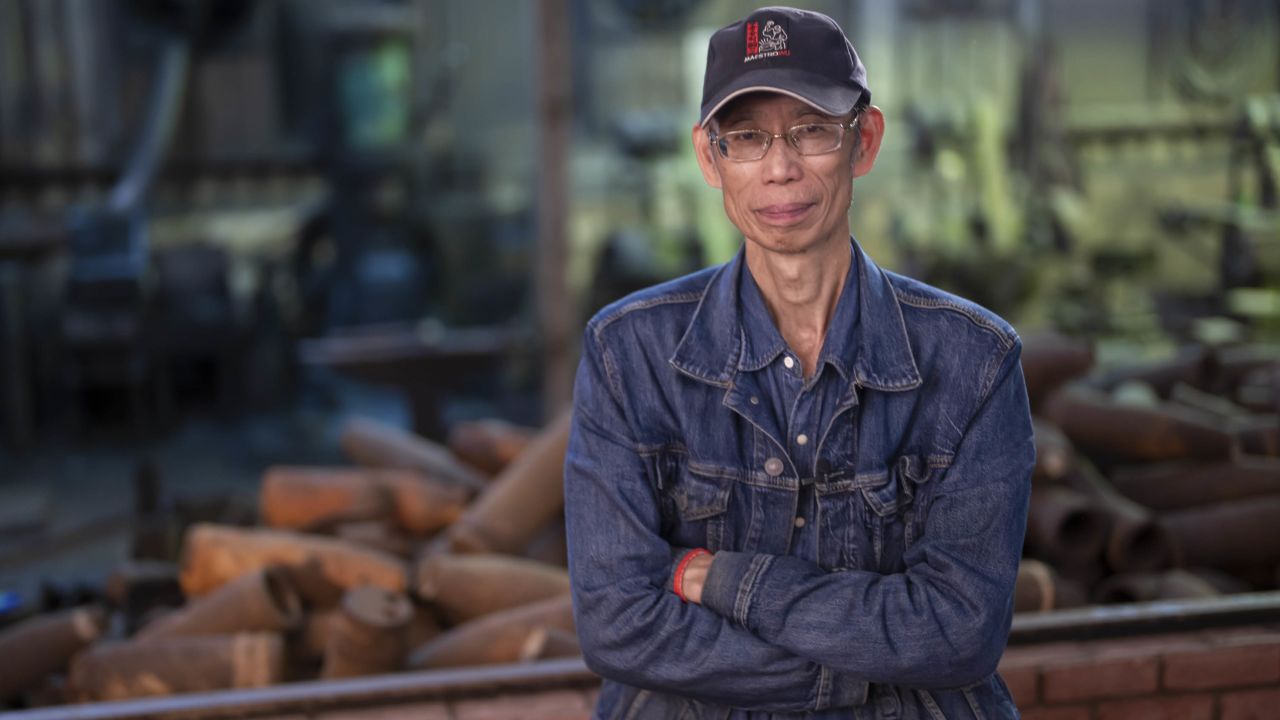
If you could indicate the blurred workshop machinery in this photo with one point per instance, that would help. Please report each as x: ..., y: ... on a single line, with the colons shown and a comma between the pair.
x: 189, y: 187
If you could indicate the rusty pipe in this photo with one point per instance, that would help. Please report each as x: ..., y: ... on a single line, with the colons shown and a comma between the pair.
x: 38, y: 646
x: 1146, y: 587
x: 259, y: 601
x: 121, y: 670
x: 1176, y: 486
x: 216, y: 554
x: 1051, y: 359
x: 496, y: 638
x: 376, y: 444
x: 528, y: 494
x: 465, y: 587
x: 1064, y: 525
x: 1103, y: 428
x: 367, y: 634
x: 1240, y: 532
x: 489, y: 445
x: 307, y: 498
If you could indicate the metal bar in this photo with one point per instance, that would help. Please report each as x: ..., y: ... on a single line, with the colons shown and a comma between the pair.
x: 398, y: 688
x: 1163, y: 616
x: 331, y: 694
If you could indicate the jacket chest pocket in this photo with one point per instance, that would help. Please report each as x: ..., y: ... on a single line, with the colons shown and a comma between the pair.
x: 869, y: 520
x: 695, y: 504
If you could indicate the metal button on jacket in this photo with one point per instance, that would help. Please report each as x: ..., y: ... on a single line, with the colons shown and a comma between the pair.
x: 773, y: 467
x: 799, y: 522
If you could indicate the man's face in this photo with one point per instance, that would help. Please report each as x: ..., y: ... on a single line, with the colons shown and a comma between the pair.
x: 785, y: 202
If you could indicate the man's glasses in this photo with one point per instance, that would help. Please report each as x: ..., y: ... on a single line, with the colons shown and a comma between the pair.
x: 807, y: 139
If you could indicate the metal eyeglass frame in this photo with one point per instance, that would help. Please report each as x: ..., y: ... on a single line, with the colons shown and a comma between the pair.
x: 714, y: 139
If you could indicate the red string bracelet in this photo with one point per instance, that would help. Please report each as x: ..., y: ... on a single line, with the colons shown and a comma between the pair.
x: 677, y: 583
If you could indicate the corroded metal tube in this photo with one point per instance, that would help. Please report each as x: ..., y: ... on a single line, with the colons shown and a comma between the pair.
x: 489, y: 445
x: 120, y: 670
x: 379, y: 445
x: 259, y: 601
x: 1064, y: 525
x: 496, y: 638
x: 519, y: 502
x: 367, y: 634
x: 41, y: 645
x: 465, y: 587
x: 216, y: 554
x: 1177, y: 486
x: 1103, y: 428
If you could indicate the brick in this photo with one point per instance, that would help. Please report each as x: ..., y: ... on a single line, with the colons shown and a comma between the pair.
x: 551, y: 705
x: 1024, y: 684
x: 1232, y: 665
x: 1181, y: 707
x: 1074, y: 712
x: 1098, y: 678
x: 403, y: 711
x: 1250, y: 705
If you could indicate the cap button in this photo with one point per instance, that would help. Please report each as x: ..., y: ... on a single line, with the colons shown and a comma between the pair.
x: 773, y: 467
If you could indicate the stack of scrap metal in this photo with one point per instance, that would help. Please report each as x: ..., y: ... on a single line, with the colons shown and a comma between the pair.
x: 1151, y: 482
x: 419, y: 556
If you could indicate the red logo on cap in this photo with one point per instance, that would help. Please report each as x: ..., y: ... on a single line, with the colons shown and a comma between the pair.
x: 753, y: 38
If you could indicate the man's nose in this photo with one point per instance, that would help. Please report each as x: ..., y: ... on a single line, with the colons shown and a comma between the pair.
x: 781, y: 162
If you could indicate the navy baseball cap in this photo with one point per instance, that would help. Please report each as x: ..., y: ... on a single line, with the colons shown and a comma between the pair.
x: 799, y: 53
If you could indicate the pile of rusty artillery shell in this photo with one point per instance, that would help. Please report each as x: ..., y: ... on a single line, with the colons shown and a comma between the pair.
x: 417, y: 555
x: 1151, y: 482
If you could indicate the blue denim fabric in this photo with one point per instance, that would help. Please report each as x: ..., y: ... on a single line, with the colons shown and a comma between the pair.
x: 921, y: 481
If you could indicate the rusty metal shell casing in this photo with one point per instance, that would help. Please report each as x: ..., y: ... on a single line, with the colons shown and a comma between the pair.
x: 121, y: 670
x: 379, y: 535
x: 1175, y: 486
x: 217, y: 554
x: 511, y: 511
x: 493, y: 639
x: 490, y: 445
x: 1049, y: 360
x: 1039, y: 588
x: 545, y: 642
x: 465, y: 587
x: 420, y: 505
x: 1064, y: 525
x: 38, y: 646
x: 367, y: 634
x: 1146, y: 587
x: 259, y: 601
x: 1241, y: 532
x: 1055, y: 457
x: 1136, y: 540
x: 306, y: 498
x: 1106, y: 429
x: 379, y: 445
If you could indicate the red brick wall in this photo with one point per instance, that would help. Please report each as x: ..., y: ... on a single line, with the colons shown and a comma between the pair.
x: 1211, y: 675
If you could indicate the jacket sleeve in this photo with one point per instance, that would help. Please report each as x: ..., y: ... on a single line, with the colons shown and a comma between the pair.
x: 944, y: 621
x: 632, y: 628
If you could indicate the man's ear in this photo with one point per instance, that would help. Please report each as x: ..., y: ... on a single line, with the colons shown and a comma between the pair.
x: 706, y: 162
x: 870, y: 135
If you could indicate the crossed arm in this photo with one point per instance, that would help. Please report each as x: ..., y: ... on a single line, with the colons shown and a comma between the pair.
x: 780, y: 633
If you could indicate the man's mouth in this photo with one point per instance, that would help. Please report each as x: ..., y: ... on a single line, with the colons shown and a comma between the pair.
x: 784, y: 213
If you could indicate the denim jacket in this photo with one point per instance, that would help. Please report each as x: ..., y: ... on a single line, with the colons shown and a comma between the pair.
x: 922, y: 481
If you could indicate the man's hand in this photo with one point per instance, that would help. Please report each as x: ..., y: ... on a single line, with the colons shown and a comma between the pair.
x: 695, y: 575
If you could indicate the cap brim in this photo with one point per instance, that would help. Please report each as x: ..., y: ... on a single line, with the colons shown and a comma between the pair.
x: 813, y: 90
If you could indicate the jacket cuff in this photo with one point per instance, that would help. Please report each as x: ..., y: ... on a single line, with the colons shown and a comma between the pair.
x: 846, y: 691
x: 731, y: 583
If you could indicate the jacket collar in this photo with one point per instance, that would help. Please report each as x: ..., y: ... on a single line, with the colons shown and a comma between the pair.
x: 713, y: 346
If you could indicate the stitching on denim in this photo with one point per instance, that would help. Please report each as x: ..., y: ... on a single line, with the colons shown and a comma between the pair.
x: 599, y: 326
x: 974, y: 705
x: 747, y: 591
x: 823, y: 701
x: 1006, y: 339
x: 637, y: 704
x: 926, y: 699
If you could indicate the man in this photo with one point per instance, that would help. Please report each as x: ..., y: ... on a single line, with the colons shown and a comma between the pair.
x: 796, y: 482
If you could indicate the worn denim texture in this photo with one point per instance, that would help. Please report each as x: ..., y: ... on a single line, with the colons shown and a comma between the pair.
x: 921, y: 477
